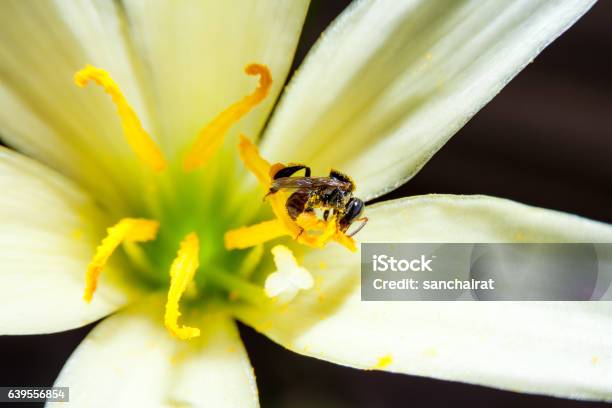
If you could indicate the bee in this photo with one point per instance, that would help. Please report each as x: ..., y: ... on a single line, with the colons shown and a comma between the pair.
x: 333, y: 195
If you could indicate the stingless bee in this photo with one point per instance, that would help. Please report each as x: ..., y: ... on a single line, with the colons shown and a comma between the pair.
x: 333, y: 195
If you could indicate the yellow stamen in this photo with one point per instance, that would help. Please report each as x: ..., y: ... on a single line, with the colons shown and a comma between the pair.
x: 210, y: 138
x: 182, y: 271
x: 309, y: 221
x: 138, y: 139
x: 247, y: 237
x: 328, y: 233
x: 249, y: 154
x: 260, y: 167
x: 345, y: 241
x: 283, y: 224
x: 126, y: 230
x: 253, y: 235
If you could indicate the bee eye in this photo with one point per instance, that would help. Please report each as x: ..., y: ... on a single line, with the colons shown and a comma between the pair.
x: 354, y: 208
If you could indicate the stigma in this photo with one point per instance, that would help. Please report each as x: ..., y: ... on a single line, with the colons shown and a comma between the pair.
x: 289, y: 278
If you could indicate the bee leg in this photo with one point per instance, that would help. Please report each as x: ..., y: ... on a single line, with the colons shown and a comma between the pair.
x: 325, y: 215
x: 299, y: 233
x: 271, y: 191
x: 364, y: 221
x: 291, y: 170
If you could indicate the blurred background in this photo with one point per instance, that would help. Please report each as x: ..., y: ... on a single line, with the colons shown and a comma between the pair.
x: 546, y: 140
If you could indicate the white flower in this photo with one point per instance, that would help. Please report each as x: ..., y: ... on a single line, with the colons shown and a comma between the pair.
x: 385, y: 87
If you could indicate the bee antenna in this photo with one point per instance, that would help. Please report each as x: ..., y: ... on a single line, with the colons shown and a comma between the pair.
x: 364, y: 221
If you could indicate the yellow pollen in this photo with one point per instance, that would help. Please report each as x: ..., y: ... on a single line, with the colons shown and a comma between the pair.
x: 138, y: 139
x: 328, y: 233
x: 211, y: 137
x: 283, y: 224
x: 126, y: 230
x: 182, y: 272
x: 383, y: 362
x: 345, y: 241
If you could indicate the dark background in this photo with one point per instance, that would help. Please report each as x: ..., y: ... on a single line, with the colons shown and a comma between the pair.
x: 546, y: 140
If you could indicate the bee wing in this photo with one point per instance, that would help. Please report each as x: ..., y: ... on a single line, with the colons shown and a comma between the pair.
x: 306, y: 182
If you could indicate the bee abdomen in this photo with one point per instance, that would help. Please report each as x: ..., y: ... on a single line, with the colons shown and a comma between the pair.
x: 296, y: 203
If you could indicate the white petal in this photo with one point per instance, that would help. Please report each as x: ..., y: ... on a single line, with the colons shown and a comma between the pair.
x: 475, y: 218
x: 556, y: 348
x: 42, y: 45
x: 48, y: 233
x: 195, y: 52
x: 391, y: 81
x: 130, y: 360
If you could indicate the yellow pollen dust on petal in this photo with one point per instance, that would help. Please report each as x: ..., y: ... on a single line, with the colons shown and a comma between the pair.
x: 182, y: 272
x: 210, y: 138
x: 126, y: 230
x: 138, y: 139
x: 383, y: 362
x: 283, y: 224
